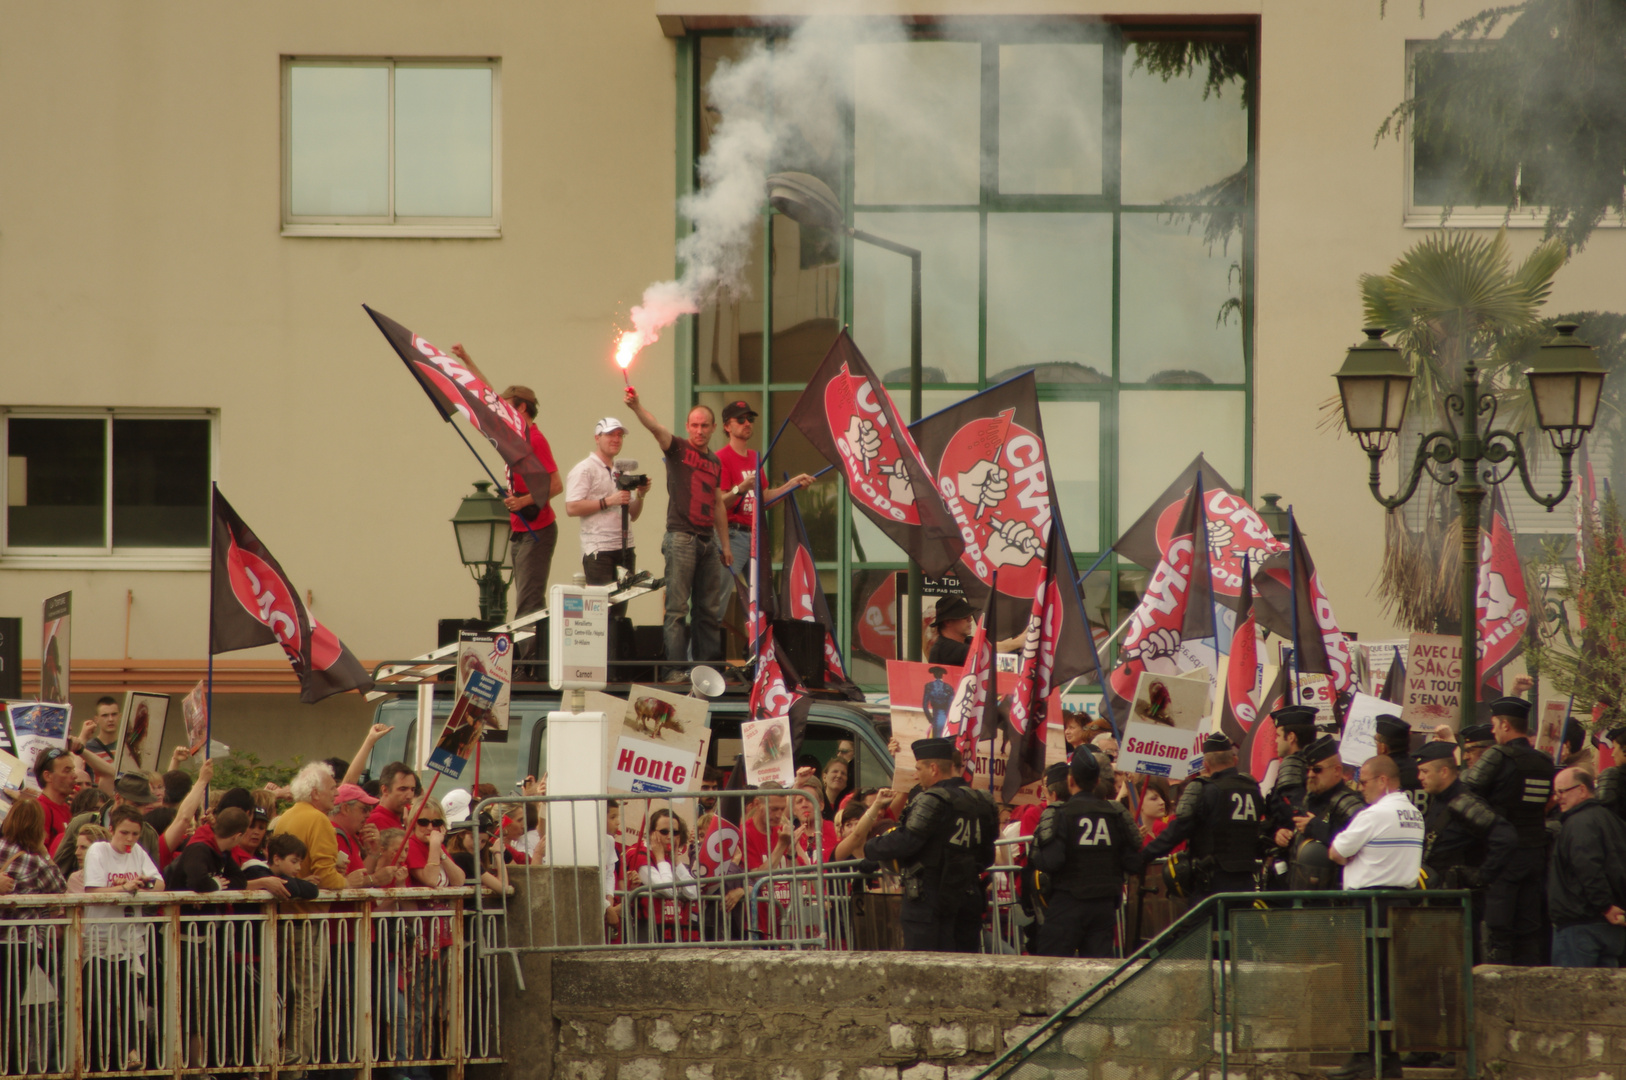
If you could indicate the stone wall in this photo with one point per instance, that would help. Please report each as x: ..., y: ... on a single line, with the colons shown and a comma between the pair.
x: 1551, y: 1023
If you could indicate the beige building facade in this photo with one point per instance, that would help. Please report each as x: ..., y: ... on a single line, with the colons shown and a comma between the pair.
x: 196, y: 199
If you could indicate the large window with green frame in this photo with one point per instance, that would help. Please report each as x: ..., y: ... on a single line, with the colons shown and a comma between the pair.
x: 1082, y: 197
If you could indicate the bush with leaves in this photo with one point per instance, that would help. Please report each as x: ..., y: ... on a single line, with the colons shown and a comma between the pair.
x: 244, y: 769
x: 1591, y: 603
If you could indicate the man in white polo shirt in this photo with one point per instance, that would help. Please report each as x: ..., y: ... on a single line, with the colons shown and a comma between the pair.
x: 1381, y: 848
x: 591, y: 494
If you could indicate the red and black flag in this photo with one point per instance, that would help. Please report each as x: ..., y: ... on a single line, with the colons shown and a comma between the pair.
x: 453, y: 387
x: 1504, y: 598
x: 801, y: 596
x: 848, y: 416
x: 1258, y: 748
x: 1239, y: 711
x: 988, y: 454
x: 252, y: 603
x: 1290, y: 594
x: 1175, y: 608
x: 1394, y: 681
x: 973, y: 715
x: 1236, y: 532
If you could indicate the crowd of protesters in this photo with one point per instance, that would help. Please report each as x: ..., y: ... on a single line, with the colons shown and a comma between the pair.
x: 87, y: 831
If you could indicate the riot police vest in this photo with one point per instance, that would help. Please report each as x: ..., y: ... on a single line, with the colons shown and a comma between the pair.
x: 1092, y: 831
x: 1410, y: 783
x: 1517, y: 780
x: 1228, y: 826
x: 1455, y: 828
x: 961, y: 840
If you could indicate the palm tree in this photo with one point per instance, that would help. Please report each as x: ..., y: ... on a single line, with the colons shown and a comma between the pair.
x: 1452, y: 297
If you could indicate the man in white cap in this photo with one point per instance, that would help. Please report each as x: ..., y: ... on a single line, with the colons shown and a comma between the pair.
x: 591, y: 493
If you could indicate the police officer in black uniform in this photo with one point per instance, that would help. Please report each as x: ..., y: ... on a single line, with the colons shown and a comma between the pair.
x: 1329, y: 806
x: 1221, y: 815
x: 1085, y: 846
x: 1295, y: 731
x: 1610, y: 788
x: 1393, y: 738
x: 1517, y: 780
x: 1465, y: 842
x: 1476, y: 739
x: 943, y: 847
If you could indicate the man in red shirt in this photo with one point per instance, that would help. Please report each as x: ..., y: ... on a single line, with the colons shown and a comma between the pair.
x: 350, y: 819
x: 739, y: 463
x: 535, y: 532
x: 397, y: 786
x: 57, y: 773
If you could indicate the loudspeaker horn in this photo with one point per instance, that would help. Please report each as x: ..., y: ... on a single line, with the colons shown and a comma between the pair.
x: 707, y: 681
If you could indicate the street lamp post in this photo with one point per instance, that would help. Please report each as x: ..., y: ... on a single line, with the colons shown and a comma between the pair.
x: 482, y: 528
x: 807, y: 200
x: 1565, y: 383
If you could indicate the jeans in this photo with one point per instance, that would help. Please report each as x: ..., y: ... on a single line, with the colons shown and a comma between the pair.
x: 533, y: 562
x: 1591, y: 944
x: 692, y: 570
x: 739, y: 545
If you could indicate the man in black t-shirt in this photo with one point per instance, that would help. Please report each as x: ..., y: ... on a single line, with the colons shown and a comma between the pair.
x: 696, y: 541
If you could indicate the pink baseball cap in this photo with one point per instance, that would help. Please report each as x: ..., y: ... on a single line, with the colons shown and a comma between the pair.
x: 352, y: 793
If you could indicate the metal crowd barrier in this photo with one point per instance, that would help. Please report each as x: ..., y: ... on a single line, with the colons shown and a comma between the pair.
x: 182, y: 983
x: 1006, y: 919
x: 582, y: 899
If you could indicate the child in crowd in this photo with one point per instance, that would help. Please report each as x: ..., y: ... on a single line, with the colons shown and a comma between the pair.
x: 285, y: 858
x: 115, y: 998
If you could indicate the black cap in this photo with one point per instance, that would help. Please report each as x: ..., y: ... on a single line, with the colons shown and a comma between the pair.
x: 1085, y: 768
x: 935, y: 670
x: 1511, y: 706
x: 1322, y: 749
x: 1297, y: 718
x: 1435, y: 750
x: 933, y: 749
x: 1217, y: 743
x: 950, y: 608
x: 1616, y: 736
x: 1393, y: 729
x: 736, y: 409
x: 1477, y: 734
x: 1056, y: 774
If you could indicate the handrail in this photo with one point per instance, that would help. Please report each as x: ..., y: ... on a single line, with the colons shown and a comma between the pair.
x: 1205, y: 910
x: 158, y: 898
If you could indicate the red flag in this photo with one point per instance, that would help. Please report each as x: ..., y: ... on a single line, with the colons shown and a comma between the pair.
x: 1318, y: 645
x: 801, y: 596
x: 1258, y: 748
x: 770, y: 694
x: 1157, y: 627
x: 1242, y: 672
x: 848, y: 416
x: 1504, y: 600
x: 252, y: 603
x: 974, y: 712
x: 452, y: 387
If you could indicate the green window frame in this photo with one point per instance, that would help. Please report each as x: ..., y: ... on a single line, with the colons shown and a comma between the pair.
x: 1116, y: 582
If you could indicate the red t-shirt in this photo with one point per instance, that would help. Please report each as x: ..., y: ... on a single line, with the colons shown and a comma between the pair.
x: 735, y: 466
x: 545, y: 455
x: 691, y: 487
x: 382, y: 818
x: 830, y: 841
x: 57, y: 816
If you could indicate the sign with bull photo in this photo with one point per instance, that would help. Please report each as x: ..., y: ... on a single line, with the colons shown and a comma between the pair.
x: 657, y: 744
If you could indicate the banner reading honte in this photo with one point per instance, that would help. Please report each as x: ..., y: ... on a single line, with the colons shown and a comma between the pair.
x: 56, y: 645
x: 657, y: 745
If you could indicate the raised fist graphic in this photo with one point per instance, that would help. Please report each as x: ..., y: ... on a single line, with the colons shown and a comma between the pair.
x: 863, y: 441
x: 984, y: 485
x: 898, y: 487
x: 1497, y: 600
x: 1159, y: 643
x: 1012, y: 543
x: 1219, y: 536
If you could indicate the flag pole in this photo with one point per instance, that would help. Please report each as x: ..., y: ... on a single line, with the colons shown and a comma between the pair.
x: 1293, y: 592
x: 1089, y: 635
x: 501, y: 490
x: 209, y: 677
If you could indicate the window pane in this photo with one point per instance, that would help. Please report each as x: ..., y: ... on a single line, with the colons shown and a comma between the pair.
x: 1072, y: 436
x: 1439, y: 163
x: 55, y: 494
x: 1174, y: 141
x: 1159, y: 434
x: 443, y: 142
x: 339, y: 142
x: 917, y: 122
x: 1177, y: 325
x: 1050, y: 119
x: 1050, y: 291
x: 160, y: 483
x: 793, y: 454
x: 950, y: 252
x: 728, y: 338
x: 806, y: 298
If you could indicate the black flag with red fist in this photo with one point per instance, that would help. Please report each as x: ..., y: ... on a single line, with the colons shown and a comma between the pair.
x: 801, y: 596
x: 252, y: 603
x: 453, y: 387
x: 988, y: 454
x: 848, y: 416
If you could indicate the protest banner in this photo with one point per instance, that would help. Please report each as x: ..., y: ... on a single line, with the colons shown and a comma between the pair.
x: 920, y: 694
x: 56, y: 645
x: 1360, y: 729
x: 656, y: 740
x: 493, y: 655
x: 1177, y: 701
x: 1550, y: 728
x: 768, y: 755
x: 12, y: 782
x: 35, y: 727
x: 1165, y: 731
x: 195, y: 714
x: 1158, y: 750
x: 469, y: 715
x: 1373, y: 660
x: 141, y: 731
x: 1433, y: 682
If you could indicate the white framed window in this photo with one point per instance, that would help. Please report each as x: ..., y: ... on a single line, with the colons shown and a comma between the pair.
x: 391, y: 147
x: 107, y: 488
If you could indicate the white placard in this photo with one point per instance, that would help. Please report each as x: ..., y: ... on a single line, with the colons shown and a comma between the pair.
x: 578, y: 636
x: 767, y: 751
x: 1360, y: 726
x: 1159, y: 750
x: 575, y: 766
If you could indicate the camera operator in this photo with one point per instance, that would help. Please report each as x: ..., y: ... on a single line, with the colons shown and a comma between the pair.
x: 596, y: 491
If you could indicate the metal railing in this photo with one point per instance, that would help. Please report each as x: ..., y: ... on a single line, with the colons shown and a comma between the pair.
x: 1277, y: 972
x: 181, y: 983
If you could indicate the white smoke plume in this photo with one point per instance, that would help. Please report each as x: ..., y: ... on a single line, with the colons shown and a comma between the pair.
x: 776, y: 105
